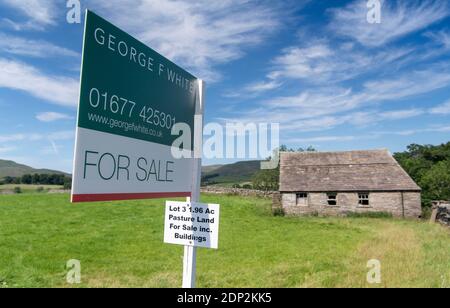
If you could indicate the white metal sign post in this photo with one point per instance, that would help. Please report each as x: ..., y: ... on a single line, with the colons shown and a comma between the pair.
x: 193, y: 225
x: 190, y: 252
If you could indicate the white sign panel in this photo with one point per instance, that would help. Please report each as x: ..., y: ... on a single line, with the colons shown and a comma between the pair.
x: 192, y: 224
x: 128, y: 107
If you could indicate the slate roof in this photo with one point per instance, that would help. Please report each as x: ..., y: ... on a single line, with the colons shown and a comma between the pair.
x: 361, y: 171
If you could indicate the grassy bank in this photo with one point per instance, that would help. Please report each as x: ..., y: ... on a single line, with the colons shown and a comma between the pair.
x: 120, y: 245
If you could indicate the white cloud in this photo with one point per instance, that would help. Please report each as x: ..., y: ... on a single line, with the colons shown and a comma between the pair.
x: 21, y: 137
x: 12, y: 137
x: 55, y: 89
x: 33, y: 48
x: 374, y: 135
x: 318, y: 62
x: 62, y: 135
x: 323, y: 139
x: 399, y: 18
x: 53, y: 149
x: 296, y: 62
x: 198, y: 34
x: 6, y: 149
x: 440, y: 37
x: 327, y: 107
x: 408, y: 84
x: 263, y: 86
x: 39, y: 13
x: 56, y: 136
x: 52, y: 116
x: 410, y: 132
x: 441, y: 109
x: 400, y: 114
x: 358, y: 118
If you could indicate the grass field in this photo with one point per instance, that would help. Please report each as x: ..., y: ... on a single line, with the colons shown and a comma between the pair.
x: 120, y: 245
x: 28, y: 188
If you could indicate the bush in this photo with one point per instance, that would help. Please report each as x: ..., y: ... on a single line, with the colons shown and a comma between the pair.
x: 40, y: 189
x: 429, y: 166
x: 266, y: 180
x: 247, y: 186
x: 426, y: 212
x: 236, y: 186
x: 279, y: 212
x: 17, y: 190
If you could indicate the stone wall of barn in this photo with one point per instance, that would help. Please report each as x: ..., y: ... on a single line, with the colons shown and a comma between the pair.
x: 388, y: 202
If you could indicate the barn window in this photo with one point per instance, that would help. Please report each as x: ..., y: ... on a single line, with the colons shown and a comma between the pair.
x: 364, y: 199
x: 302, y: 199
x: 332, y: 199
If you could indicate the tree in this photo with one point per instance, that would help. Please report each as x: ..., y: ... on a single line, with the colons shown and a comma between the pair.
x: 27, y: 179
x: 67, y: 183
x: 266, y: 180
x: 428, y: 165
x: 43, y: 178
x: 36, y: 179
x: 436, y: 182
x: 8, y: 180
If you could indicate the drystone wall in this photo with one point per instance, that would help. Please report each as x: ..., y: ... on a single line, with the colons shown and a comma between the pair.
x: 236, y: 191
x: 441, y: 213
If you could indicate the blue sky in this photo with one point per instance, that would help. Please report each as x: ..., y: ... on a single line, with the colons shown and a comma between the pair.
x: 331, y: 79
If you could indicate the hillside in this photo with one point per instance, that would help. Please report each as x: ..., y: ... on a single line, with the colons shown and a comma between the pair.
x: 233, y: 173
x: 13, y: 169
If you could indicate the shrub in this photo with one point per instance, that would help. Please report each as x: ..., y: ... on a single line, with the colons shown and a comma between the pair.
x: 236, y: 186
x: 247, y: 186
x: 426, y: 212
x: 17, y: 190
x: 314, y: 214
x: 40, y: 189
x: 279, y: 212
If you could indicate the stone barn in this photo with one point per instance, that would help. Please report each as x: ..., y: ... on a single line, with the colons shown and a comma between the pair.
x: 346, y: 182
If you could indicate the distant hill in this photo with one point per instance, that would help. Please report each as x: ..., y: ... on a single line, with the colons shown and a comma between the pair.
x: 13, y: 169
x: 233, y: 173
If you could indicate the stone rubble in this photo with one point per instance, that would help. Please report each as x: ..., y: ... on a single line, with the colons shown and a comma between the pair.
x: 441, y: 212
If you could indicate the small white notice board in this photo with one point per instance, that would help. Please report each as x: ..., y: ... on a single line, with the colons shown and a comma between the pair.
x: 192, y: 224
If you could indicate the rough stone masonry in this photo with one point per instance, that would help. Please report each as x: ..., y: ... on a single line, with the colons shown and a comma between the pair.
x: 441, y: 212
x: 340, y: 183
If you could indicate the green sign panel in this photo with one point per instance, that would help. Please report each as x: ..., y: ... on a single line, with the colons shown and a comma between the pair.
x: 131, y: 97
x: 128, y: 89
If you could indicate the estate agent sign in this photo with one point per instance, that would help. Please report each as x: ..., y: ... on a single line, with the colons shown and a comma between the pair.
x: 130, y: 99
